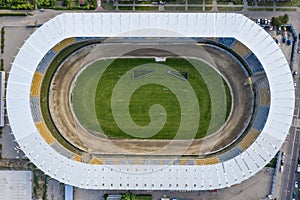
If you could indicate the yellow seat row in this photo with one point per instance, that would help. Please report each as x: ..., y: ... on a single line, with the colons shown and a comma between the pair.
x: 248, y: 139
x: 96, y: 161
x: 45, y: 133
x: 207, y: 161
x: 77, y: 158
x: 36, y: 84
x: 63, y: 44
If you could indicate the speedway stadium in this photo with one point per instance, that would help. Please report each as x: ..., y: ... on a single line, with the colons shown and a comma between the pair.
x: 55, y: 100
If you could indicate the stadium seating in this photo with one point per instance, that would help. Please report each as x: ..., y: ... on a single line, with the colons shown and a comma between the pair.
x: 63, y: 44
x: 230, y: 154
x: 35, y: 109
x: 45, y: 62
x: 228, y: 42
x: 36, y: 84
x: 263, y: 92
x: 248, y: 139
x: 253, y: 63
x: 96, y: 161
x: 80, y: 39
x: 260, y: 117
x: 207, y: 161
x: 77, y: 158
x: 62, y: 150
x: 45, y: 133
x: 241, y: 49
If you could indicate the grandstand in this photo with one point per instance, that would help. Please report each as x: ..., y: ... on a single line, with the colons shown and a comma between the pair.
x: 207, y: 161
x: 241, y: 49
x: 252, y: 153
x: 253, y: 63
x: 35, y: 109
x: 263, y: 92
x: 44, y: 131
x: 36, y: 84
x: 230, y: 154
x: 228, y: 42
x: 249, y: 139
x: 77, y: 158
x: 2, y: 101
x: 62, y: 150
x: 61, y: 45
x: 260, y: 117
x: 42, y: 66
x: 96, y: 161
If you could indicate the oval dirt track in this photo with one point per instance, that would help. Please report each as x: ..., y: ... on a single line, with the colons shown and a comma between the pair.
x: 61, y: 109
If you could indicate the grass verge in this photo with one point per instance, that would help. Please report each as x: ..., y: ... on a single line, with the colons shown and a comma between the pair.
x: 230, y: 8
x: 125, y: 7
x: 295, y: 3
x: 260, y: 9
x: 107, y: 5
x: 175, y: 8
x: 195, y: 1
x: 146, y: 7
x: 221, y: 2
x: 286, y: 9
x: 266, y: 3
x: 13, y: 14
x: 194, y: 8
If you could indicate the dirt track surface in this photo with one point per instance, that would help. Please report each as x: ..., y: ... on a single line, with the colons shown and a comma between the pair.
x: 61, y: 109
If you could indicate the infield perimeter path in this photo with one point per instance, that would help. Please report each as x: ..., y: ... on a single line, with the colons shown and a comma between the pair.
x: 61, y: 110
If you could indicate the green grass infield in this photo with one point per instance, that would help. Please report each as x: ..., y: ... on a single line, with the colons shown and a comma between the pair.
x: 131, y: 98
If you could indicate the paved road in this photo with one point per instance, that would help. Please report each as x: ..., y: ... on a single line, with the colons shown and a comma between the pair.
x: 286, y: 179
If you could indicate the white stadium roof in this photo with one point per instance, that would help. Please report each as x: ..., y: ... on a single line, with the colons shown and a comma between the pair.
x: 142, y: 177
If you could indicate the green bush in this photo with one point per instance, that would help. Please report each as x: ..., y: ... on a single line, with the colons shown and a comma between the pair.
x: 12, y: 13
x: 24, y: 6
x: 279, y: 21
x: 2, y: 65
x: 2, y: 39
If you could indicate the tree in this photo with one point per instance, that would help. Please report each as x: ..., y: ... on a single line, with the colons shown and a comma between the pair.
x: 275, y: 21
x: 285, y: 19
x: 278, y: 21
x: 129, y: 196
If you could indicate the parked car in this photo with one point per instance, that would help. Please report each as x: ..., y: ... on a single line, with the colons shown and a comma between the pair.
x: 295, y: 73
x: 296, y: 184
x: 281, y: 168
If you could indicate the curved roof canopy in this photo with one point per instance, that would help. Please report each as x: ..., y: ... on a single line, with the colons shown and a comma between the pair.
x: 172, y: 177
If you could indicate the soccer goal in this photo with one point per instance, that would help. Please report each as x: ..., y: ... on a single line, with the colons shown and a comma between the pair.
x: 136, y: 74
x: 182, y: 75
